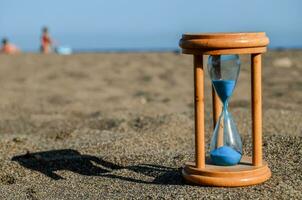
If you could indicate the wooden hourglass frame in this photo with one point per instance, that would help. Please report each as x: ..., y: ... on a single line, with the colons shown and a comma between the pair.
x: 251, y: 170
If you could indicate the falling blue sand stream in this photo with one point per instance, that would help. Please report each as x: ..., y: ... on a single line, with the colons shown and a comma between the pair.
x: 224, y: 155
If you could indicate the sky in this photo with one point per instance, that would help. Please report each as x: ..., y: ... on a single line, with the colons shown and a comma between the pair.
x: 144, y: 24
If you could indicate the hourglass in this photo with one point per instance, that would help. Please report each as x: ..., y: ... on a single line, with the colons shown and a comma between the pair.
x: 226, y: 165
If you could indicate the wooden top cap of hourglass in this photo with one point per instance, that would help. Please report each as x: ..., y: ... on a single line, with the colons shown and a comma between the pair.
x: 224, y: 43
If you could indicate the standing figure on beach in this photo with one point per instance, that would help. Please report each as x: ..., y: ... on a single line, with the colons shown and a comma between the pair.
x: 46, y: 41
x: 8, y: 48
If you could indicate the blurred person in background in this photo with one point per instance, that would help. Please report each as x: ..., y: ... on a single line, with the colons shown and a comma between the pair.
x: 8, y: 48
x: 46, y: 41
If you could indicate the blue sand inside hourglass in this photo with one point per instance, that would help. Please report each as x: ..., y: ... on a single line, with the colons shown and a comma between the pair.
x: 225, y: 156
x: 224, y: 88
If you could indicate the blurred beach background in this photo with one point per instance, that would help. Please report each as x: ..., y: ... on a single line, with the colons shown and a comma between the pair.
x: 140, y: 25
x: 114, y: 120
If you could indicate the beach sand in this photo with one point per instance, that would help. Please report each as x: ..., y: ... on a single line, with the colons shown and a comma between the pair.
x: 120, y: 126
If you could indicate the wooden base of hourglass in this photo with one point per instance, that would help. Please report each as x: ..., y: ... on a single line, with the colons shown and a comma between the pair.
x: 242, y: 174
x: 251, y: 170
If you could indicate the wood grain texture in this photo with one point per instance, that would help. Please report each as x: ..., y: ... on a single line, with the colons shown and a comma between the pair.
x: 217, y: 106
x: 199, y: 111
x: 223, y: 40
x: 256, y: 108
x: 250, y: 50
x: 223, y: 35
x: 216, y: 103
x: 243, y: 174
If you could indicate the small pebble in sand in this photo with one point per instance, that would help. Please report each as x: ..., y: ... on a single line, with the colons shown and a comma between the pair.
x: 143, y: 100
x: 284, y: 62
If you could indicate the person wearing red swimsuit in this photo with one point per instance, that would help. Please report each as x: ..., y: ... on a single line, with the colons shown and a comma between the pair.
x: 46, y: 41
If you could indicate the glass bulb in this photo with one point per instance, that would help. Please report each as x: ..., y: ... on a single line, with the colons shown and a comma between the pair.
x: 226, y: 145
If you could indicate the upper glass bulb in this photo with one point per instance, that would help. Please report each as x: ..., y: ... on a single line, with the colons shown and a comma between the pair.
x: 224, y: 71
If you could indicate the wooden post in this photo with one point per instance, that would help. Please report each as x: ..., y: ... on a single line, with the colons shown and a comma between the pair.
x: 216, y: 101
x: 199, y: 111
x: 256, y: 108
x: 216, y: 107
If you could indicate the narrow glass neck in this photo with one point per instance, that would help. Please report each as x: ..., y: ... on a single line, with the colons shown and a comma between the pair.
x: 225, y: 106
